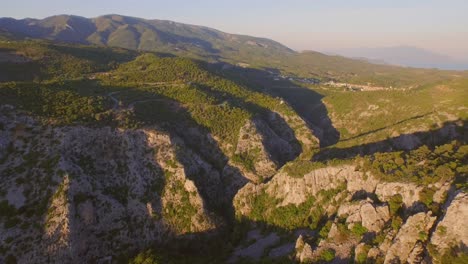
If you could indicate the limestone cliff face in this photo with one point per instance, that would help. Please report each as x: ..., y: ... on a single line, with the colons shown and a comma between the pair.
x: 264, y: 146
x: 291, y: 190
x: 82, y: 193
x: 79, y: 194
x: 360, y: 206
x: 452, y: 230
x: 407, y: 245
x: 373, y: 217
x: 87, y: 192
x: 252, y: 155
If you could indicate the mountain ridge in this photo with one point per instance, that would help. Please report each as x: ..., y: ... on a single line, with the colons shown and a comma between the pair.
x: 212, y: 45
x: 134, y: 33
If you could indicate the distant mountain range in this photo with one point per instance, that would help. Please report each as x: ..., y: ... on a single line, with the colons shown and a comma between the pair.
x: 405, y: 56
x: 140, y: 34
x: 212, y: 45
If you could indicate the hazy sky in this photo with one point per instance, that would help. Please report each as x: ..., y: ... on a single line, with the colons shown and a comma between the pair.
x: 438, y: 25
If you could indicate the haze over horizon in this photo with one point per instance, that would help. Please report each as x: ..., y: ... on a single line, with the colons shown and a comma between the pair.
x: 437, y: 26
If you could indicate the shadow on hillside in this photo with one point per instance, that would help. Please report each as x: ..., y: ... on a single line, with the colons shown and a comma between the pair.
x: 273, y: 120
x: 385, y: 127
x: 101, y: 154
x: 214, y: 178
x: 306, y: 102
x: 208, y: 165
x: 449, y: 131
x: 213, y: 246
x: 96, y: 54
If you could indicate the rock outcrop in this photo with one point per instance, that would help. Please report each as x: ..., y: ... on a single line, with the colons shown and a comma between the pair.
x: 409, y: 192
x: 452, y: 230
x: 262, y: 149
x: 96, y: 191
x: 406, y: 246
x: 372, y: 217
x: 296, y: 190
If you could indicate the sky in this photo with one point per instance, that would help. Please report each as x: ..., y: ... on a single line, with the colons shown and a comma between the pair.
x: 323, y: 25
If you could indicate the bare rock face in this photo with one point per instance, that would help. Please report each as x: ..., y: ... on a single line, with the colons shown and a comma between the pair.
x: 296, y: 190
x: 242, y: 203
x: 360, y: 250
x: 306, y: 254
x: 405, y: 245
x: 373, y: 253
x: 262, y: 149
x: 408, y: 191
x: 96, y: 191
x: 251, y: 153
x: 292, y: 190
x: 372, y: 217
x: 417, y: 254
x: 299, y: 243
x: 441, y: 192
x: 452, y: 230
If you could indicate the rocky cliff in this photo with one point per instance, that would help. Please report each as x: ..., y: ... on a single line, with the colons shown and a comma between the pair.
x: 87, y: 193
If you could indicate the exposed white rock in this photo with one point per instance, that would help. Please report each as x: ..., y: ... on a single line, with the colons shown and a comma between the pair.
x: 360, y: 250
x: 374, y: 253
x: 415, y: 229
x: 306, y: 254
x: 266, y: 147
x: 409, y: 192
x: 453, y: 229
x: 296, y: 190
x: 373, y: 218
x: 95, y: 190
x: 441, y: 192
x: 416, y: 255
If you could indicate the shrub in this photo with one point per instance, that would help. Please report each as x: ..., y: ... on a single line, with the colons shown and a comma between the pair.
x: 396, y: 223
x: 426, y: 196
x: 423, y: 236
x: 7, y: 210
x: 325, y: 230
x: 244, y: 159
x: 361, y: 257
x: 395, y: 203
x: 358, y: 229
x: 327, y: 255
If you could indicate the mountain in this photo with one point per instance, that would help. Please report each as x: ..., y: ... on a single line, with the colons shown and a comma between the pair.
x: 406, y: 56
x: 213, y: 46
x: 141, y: 34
